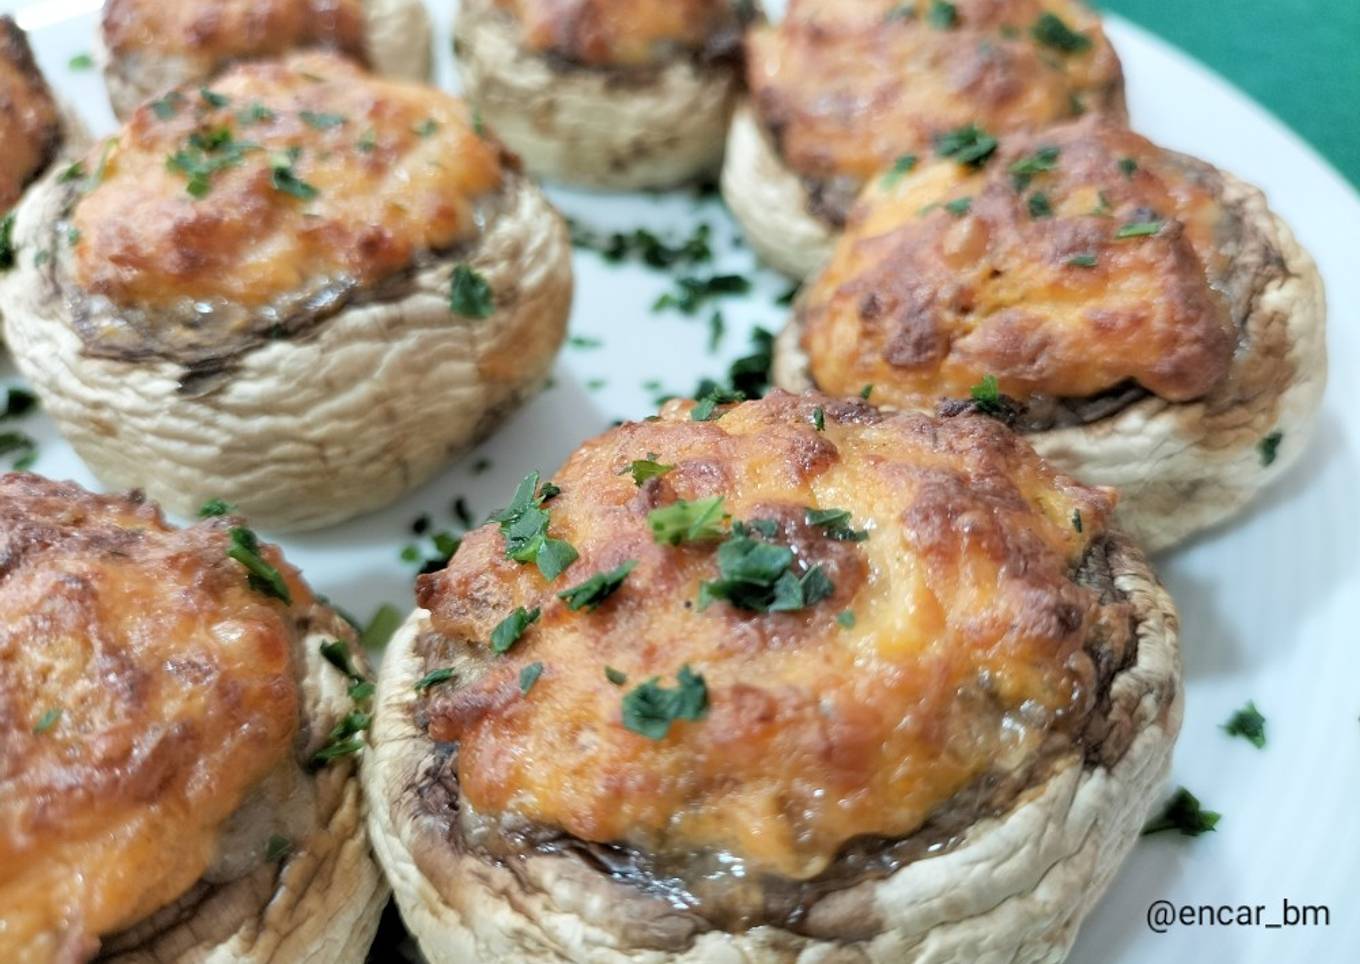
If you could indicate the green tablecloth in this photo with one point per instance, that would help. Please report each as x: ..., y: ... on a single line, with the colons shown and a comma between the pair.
x: 1300, y: 58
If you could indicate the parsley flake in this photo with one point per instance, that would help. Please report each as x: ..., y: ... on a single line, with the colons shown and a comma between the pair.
x: 1249, y: 724
x: 616, y: 676
x: 285, y: 178
x: 1082, y: 261
x: 511, y: 628
x: 651, y: 708
x: 595, y: 590
x: 681, y: 521
x: 470, y: 294
x: 942, y: 15
x: 1138, y: 229
x: 1128, y: 166
x: 648, y: 468
x: 321, y: 121
x: 1269, y: 447
x: 7, y: 242
x: 819, y: 419
x: 1051, y: 31
x: 433, y: 678
x: 529, y: 676
x: 846, y: 619
x: 277, y: 848
x: 756, y: 575
x: 47, y: 720
x: 1184, y: 813
x: 900, y: 168
x: 969, y: 145
x: 263, y: 578
x: 215, y: 507
x: 836, y: 524
x: 1039, y: 206
x: 959, y: 206
x: 81, y: 61
x: 1041, y: 161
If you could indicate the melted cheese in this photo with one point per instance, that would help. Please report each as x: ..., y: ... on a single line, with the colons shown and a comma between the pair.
x: 176, y: 691
x: 29, y: 126
x: 923, y: 303
x: 619, y: 33
x: 211, y: 33
x: 966, y: 652
x: 397, y: 171
x: 848, y: 86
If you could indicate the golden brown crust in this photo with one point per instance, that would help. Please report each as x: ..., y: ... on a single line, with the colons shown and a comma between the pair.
x: 30, y: 124
x: 966, y: 609
x: 624, y: 33
x: 954, y: 272
x: 276, y: 195
x: 214, y: 33
x: 150, y: 691
x: 846, y: 87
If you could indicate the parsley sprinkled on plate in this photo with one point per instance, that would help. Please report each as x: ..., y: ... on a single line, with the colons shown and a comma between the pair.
x: 1185, y: 814
x: 81, y: 61
x: 599, y: 587
x: 692, y: 293
x: 1249, y: 724
x: 651, y: 708
x: 1269, y: 447
x: 470, y: 294
x: 263, y: 578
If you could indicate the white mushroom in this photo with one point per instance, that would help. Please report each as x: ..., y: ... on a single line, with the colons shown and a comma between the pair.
x: 616, y: 128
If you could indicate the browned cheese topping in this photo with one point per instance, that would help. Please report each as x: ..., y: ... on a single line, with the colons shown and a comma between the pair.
x: 278, y: 189
x: 145, y: 688
x: 29, y: 125
x: 622, y: 33
x: 826, y: 674
x: 208, y: 34
x: 847, y: 87
x: 1068, y: 263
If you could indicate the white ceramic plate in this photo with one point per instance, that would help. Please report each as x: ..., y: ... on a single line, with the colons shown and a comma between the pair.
x: 1270, y: 607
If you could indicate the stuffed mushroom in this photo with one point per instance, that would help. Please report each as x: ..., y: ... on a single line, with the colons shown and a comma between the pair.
x: 842, y: 90
x: 301, y: 289
x: 617, y: 94
x: 149, y: 46
x: 794, y: 680
x: 1143, y: 317
x: 181, y: 719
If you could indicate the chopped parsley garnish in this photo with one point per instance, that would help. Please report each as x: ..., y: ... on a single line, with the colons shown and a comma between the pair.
x: 470, y: 294
x: 986, y: 395
x: 1076, y: 519
x: 256, y: 113
x: 1185, y: 814
x: 321, y: 121
x: 969, y: 145
x: 212, y: 98
x: 645, y: 246
x: 73, y: 172
x: 524, y: 525
x: 582, y: 341
x: 757, y: 575
x: 819, y: 419
x: 433, y: 678
x: 1128, y: 166
x: 791, y: 292
x: 681, y: 521
x: 7, y: 242
x: 24, y: 446
x: 285, y: 178
x: 866, y: 391
x: 942, y: 15
x: 368, y: 142
x: 18, y: 403
x: 846, y: 619
x: 707, y: 408
x: 836, y: 524
x: 263, y: 577
x: 168, y: 106
x: 1249, y: 724
x: 426, y: 127
x: 81, y: 61
x: 1138, y: 229
x: 693, y: 292
x: 47, y: 720
x: 277, y: 848
x: 344, y: 738
x: 648, y: 468
x: 616, y: 676
x: 207, y: 153
x: 511, y: 628
x: 529, y: 676
x: 716, y: 329
x: 215, y: 507
x: 651, y: 708
x: 361, y: 689
x: 336, y: 652
x: 1051, y: 31
x: 959, y: 206
x: 1039, y: 205
x: 1082, y: 261
x: 1023, y: 171
x: 380, y: 628
x: 595, y: 590
x: 462, y: 513
x: 750, y: 374
x: 1269, y: 447
x: 900, y: 168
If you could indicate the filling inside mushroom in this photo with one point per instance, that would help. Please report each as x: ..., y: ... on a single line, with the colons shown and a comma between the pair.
x: 1072, y: 272
x: 845, y: 88
x: 943, y: 634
